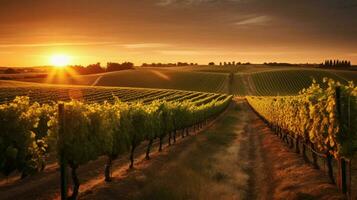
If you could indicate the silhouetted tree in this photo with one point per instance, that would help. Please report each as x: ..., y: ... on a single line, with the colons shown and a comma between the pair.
x: 94, y: 68
x: 336, y: 63
x: 117, y: 66
x: 10, y: 71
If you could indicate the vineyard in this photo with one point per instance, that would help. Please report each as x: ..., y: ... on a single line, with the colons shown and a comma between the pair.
x: 247, y: 80
x: 323, y: 119
x: 75, y: 125
x: 50, y: 93
x: 101, y: 123
x: 150, y: 78
x: 284, y: 82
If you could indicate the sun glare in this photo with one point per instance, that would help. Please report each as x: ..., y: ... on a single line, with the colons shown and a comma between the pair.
x: 60, y: 60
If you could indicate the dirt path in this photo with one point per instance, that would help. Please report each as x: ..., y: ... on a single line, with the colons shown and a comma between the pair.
x: 237, y: 158
x: 96, y: 81
x: 249, y: 84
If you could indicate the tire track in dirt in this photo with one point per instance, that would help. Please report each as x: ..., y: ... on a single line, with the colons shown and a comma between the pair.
x: 97, y: 80
x: 260, y: 184
x: 249, y: 84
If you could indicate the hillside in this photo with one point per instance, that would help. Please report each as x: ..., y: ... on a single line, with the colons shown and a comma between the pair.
x: 247, y: 79
x: 152, y: 78
x: 45, y: 93
x: 149, y: 78
x: 284, y: 82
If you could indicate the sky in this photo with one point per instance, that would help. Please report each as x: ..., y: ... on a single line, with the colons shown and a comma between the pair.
x: 256, y: 31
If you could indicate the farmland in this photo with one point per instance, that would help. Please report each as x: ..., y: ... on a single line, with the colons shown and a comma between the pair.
x: 54, y: 93
x: 178, y: 100
x: 150, y: 78
x: 157, y: 107
x: 258, y: 80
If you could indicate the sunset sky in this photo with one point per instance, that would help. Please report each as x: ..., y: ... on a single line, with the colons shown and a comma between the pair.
x: 177, y: 30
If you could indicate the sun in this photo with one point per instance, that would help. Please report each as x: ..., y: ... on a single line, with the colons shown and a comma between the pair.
x: 60, y: 60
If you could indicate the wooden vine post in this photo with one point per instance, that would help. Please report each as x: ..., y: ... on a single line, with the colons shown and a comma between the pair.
x: 63, y: 164
x: 343, y: 165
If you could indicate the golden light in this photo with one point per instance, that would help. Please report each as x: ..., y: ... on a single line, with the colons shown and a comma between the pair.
x: 60, y: 72
x: 60, y: 60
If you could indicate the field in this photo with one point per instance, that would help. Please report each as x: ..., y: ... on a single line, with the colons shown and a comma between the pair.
x: 230, y: 145
x: 257, y: 80
x: 150, y: 78
x: 53, y: 93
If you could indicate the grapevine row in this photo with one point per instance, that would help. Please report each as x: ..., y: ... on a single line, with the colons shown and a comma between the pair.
x: 47, y: 94
x: 323, y: 117
x: 30, y: 131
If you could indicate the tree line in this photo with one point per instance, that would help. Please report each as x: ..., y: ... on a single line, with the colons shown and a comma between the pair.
x: 233, y: 63
x: 178, y: 64
x: 336, y: 63
x: 97, y: 68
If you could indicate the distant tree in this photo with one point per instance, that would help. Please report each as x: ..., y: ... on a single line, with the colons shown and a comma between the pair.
x: 79, y: 69
x: 117, y: 66
x: 94, y: 68
x: 336, y: 63
x: 220, y: 64
x: 10, y: 71
x: 181, y: 64
x: 211, y: 63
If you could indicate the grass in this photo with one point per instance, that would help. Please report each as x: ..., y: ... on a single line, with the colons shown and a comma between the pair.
x: 196, y: 169
x: 150, y: 78
x: 169, y: 79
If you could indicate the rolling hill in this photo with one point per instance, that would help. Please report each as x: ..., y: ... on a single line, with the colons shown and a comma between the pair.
x: 258, y: 80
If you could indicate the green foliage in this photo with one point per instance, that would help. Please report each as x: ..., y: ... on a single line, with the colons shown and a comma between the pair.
x: 30, y: 130
x: 287, y: 81
x: 314, y: 115
x: 18, y: 145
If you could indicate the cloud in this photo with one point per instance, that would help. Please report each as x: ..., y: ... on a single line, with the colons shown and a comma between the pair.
x: 259, y: 20
x: 55, y: 44
x: 352, y: 54
x: 145, y: 45
x: 180, y: 52
x: 192, y: 52
x: 6, y: 52
x: 190, y: 2
x: 165, y: 2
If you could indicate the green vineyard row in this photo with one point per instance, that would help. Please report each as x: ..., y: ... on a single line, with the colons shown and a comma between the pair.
x: 47, y: 94
x: 78, y: 132
x: 325, y: 117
